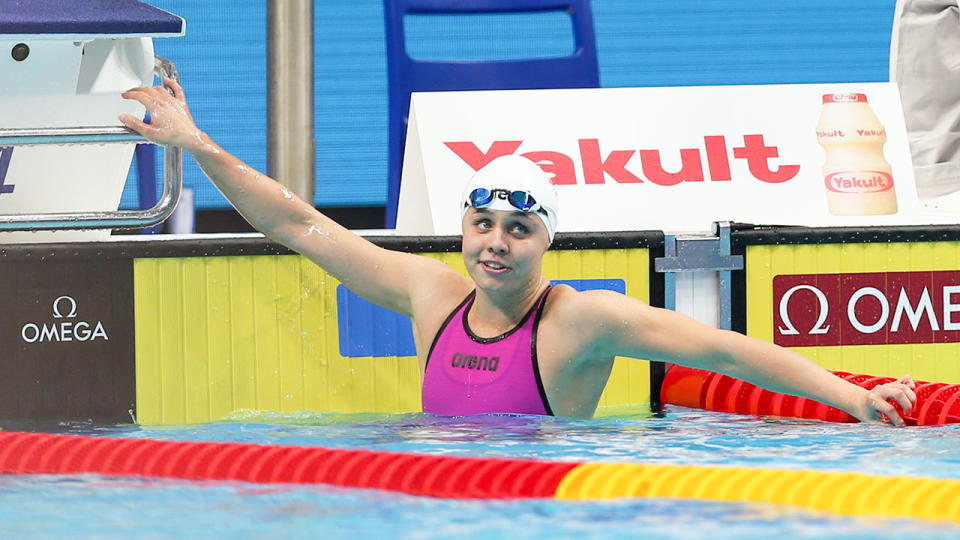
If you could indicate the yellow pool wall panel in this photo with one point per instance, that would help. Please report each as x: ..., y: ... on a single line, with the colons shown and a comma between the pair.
x: 935, y: 362
x: 219, y: 334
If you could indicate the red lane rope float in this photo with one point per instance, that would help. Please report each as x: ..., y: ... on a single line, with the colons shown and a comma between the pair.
x: 488, y: 478
x: 937, y: 403
x: 437, y: 476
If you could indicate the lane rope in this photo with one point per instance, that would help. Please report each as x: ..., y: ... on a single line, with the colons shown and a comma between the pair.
x: 937, y: 403
x: 478, y: 478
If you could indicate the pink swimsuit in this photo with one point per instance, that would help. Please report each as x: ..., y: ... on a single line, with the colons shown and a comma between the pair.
x: 467, y: 374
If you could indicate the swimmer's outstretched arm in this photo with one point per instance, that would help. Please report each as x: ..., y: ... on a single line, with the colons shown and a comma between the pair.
x: 391, y: 279
x: 628, y: 327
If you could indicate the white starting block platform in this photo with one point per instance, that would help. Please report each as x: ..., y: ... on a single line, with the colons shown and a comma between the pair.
x: 64, y: 64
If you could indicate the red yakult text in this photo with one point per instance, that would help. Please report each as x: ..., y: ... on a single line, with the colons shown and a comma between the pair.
x: 597, y: 165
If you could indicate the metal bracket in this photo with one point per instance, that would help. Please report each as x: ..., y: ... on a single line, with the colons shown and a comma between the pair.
x: 109, y: 219
x: 690, y: 253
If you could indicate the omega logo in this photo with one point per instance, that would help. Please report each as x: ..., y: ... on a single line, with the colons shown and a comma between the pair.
x: 63, y: 328
x: 914, y: 312
x: 57, y: 314
x: 818, y: 328
x: 880, y: 308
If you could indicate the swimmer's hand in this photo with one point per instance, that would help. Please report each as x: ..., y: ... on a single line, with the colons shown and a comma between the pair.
x: 875, y: 404
x: 170, y: 119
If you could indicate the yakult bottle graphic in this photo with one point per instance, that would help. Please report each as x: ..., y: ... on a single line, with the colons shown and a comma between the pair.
x: 858, y: 179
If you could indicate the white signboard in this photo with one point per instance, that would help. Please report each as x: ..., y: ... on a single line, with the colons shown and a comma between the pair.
x: 672, y: 159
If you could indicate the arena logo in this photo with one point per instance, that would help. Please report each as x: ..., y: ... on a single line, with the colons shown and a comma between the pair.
x: 596, y: 166
x: 472, y: 361
x: 866, y: 309
x: 64, y: 307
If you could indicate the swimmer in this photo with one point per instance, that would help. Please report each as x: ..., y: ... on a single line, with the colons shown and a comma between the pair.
x: 503, y: 340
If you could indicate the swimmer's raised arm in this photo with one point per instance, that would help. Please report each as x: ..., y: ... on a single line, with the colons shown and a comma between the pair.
x: 627, y: 327
x: 388, y: 278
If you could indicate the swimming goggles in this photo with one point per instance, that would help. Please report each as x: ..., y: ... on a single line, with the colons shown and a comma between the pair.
x: 521, y: 200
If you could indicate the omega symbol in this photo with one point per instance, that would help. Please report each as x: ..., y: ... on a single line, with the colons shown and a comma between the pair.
x: 788, y: 329
x: 57, y: 314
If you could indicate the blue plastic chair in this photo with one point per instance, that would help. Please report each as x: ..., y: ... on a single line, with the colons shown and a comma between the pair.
x: 406, y: 75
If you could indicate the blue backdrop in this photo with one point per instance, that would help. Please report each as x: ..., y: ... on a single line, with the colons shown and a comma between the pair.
x: 222, y: 61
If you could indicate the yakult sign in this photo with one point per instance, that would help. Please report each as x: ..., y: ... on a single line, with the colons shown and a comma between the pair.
x: 597, y: 167
x: 675, y: 159
x: 866, y: 308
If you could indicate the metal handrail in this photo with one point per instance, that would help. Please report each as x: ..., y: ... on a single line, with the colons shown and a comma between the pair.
x: 105, y: 219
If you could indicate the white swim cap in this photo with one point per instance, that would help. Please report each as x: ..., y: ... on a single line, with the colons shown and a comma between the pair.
x: 504, y: 176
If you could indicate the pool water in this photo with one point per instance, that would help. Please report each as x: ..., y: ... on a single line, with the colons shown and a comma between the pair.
x: 92, y: 506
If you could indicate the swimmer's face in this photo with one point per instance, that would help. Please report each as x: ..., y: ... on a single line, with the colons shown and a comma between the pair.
x: 503, y: 250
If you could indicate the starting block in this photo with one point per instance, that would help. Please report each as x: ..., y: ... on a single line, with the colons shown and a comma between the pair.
x: 64, y: 158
